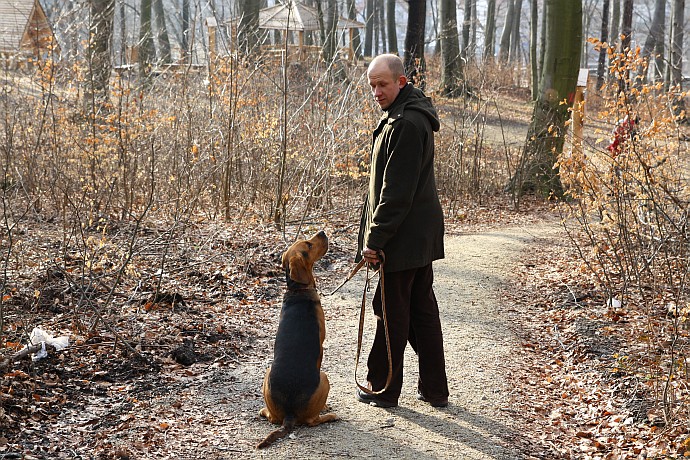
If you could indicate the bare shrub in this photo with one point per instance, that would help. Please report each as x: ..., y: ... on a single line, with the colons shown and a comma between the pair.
x: 628, y: 212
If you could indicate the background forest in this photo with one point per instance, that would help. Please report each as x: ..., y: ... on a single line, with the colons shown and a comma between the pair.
x: 159, y: 154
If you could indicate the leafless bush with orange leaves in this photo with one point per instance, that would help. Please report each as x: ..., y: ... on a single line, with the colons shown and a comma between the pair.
x: 627, y: 209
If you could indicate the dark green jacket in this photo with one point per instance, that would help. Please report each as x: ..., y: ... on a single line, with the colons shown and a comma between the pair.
x: 402, y: 214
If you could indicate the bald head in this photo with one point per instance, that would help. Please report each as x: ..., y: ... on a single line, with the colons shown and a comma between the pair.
x: 389, y: 61
x: 386, y: 75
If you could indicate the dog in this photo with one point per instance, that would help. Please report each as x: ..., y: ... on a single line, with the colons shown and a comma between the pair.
x: 295, y: 388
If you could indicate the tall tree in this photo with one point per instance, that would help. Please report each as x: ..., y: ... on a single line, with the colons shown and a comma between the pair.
x: 655, y: 35
x: 615, y: 21
x: 415, y: 65
x: 356, y: 38
x: 472, y: 49
x: 466, y: 25
x: 660, y: 54
x: 533, y: 28
x: 601, y: 64
x: 490, y: 30
x: 123, y: 32
x: 452, y: 67
x: 676, y: 61
x: 102, y: 15
x: 626, y: 25
x: 589, y: 7
x: 331, y: 19
x: 382, y: 26
x: 391, y: 27
x: 626, y: 39
x: 147, y: 51
x: 515, y: 40
x: 542, y: 43
x: 369, y: 19
x: 504, y: 44
x: 186, y: 31
x: 248, y: 27
x: 546, y: 133
x: 162, y: 31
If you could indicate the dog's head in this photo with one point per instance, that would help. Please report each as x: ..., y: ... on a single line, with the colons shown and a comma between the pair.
x: 298, y: 260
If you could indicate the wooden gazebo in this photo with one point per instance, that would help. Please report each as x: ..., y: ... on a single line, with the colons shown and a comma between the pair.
x: 25, y: 30
x: 297, y: 17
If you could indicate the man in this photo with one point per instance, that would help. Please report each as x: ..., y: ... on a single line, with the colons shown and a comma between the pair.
x: 402, y: 225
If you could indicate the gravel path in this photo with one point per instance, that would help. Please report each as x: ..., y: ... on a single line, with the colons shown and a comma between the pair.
x: 222, y: 413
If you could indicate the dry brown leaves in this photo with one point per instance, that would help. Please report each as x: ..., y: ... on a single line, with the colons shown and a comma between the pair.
x: 582, y: 388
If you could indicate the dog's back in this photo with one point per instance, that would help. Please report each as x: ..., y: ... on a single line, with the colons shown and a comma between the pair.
x: 295, y: 372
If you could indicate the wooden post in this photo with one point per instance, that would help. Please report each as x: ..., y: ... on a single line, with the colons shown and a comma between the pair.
x: 579, y: 111
x: 212, y: 25
x: 351, y: 51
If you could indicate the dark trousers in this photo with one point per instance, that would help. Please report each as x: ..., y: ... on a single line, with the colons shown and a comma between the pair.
x: 412, y: 314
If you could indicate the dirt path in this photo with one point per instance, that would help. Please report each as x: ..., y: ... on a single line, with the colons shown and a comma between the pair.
x: 220, y: 408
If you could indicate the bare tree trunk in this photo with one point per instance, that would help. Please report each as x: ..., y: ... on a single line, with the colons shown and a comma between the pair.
x: 490, y: 30
x: 415, y: 65
x: 472, y: 49
x: 626, y: 34
x: 162, y: 32
x: 99, y: 62
x: 123, y: 33
x: 546, y: 134
x: 615, y: 22
x: 466, y: 23
x: 147, y: 51
x: 391, y: 26
x: 382, y: 26
x: 660, y: 55
x: 676, y: 61
x: 626, y: 25
x: 369, y: 28
x: 542, y: 43
x: 534, y: 68
x: 504, y: 45
x: 515, y: 41
x: 331, y: 22
x: 186, y: 32
x: 248, y: 27
x: 452, y: 68
x: 655, y: 35
x: 601, y: 65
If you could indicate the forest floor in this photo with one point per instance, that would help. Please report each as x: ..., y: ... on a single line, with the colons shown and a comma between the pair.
x: 529, y: 363
x: 532, y: 351
x: 207, y: 407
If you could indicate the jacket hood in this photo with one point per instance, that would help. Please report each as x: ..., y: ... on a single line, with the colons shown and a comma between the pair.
x: 411, y: 98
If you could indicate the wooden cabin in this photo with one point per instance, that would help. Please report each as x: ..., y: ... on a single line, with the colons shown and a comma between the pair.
x: 25, y: 32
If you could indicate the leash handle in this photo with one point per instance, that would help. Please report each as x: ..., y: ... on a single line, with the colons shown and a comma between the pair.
x: 385, y: 329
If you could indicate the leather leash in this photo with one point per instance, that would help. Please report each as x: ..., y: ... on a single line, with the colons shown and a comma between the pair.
x: 353, y: 272
x: 385, y: 329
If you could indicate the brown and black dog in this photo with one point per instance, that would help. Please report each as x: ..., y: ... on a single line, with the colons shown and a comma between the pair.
x: 295, y: 389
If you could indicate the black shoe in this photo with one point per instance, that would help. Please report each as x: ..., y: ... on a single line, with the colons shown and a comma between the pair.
x: 372, y: 400
x: 439, y: 403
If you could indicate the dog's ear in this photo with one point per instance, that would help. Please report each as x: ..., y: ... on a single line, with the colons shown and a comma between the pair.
x: 299, y: 271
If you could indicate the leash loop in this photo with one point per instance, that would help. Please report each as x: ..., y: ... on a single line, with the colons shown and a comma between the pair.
x: 385, y: 326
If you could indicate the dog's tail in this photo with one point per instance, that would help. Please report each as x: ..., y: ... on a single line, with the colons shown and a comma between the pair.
x: 286, y: 429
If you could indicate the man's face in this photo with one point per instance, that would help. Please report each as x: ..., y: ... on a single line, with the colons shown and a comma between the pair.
x: 384, y: 86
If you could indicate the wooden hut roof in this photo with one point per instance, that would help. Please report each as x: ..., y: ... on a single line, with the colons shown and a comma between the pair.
x: 297, y: 16
x: 24, y: 26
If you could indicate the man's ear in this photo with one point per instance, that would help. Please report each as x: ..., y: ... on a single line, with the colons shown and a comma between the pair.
x: 402, y: 81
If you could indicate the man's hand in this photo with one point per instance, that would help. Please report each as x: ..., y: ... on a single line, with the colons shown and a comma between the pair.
x: 371, y: 256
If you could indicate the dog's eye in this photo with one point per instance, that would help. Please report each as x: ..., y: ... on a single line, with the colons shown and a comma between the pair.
x: 309, y: 245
